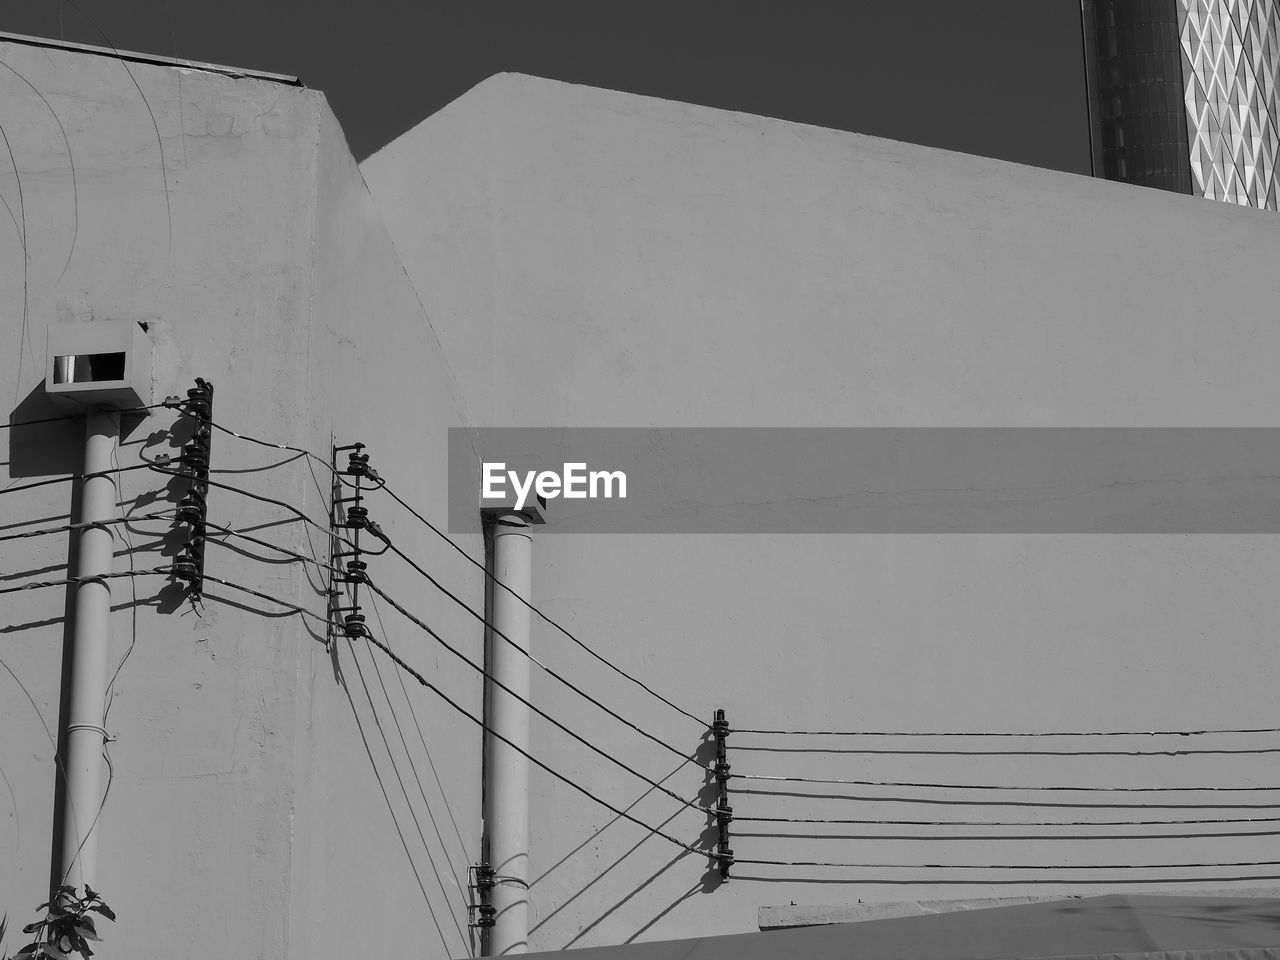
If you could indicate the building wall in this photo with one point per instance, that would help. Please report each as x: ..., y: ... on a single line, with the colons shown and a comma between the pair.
x: 1230, y: 56
x: 1183, y: 96
x: 1140, y: 122
x: 591, y: 258
x: 268, y: 797
x: 577, y: 257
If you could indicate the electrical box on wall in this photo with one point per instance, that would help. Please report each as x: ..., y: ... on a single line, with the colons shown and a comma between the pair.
x: 101, y: 363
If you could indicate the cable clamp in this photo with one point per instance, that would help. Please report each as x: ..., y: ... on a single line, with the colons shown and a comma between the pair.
x: 481, y: 881
x: 186, y: 568
x: 357, y: 464
x: 71, y: 727
x: 357, y: 572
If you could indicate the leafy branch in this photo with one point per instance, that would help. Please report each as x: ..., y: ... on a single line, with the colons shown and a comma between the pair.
x: 66, y: 928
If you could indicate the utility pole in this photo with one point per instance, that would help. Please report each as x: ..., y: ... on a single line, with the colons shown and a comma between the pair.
x: 82, y: 763
x: 506, y: 814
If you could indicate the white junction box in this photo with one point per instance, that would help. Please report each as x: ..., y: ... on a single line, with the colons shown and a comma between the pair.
x: 100, y: 363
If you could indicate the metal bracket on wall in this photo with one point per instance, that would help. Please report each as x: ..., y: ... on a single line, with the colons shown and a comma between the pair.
x: 480, y: 882
x: 724, y: 813
x: 193, y: 508
x: 349, y: 513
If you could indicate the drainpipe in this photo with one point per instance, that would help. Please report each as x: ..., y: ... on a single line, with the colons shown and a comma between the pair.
x: 83, y: 761
x: 507, y: 793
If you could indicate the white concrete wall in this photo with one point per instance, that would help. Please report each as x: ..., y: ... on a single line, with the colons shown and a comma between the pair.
x: 256, y: 808
x: 599, y: 259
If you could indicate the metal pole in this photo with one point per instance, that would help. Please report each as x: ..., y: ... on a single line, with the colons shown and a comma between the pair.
x: 507, y: 799
x: 83, y: 761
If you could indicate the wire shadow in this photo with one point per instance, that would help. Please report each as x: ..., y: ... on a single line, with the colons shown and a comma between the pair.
x: 696, y: 888
x: 621, y: 903
x: 710, y: 880
x: 61, y: 517
x: 989, y: 837
x: 51, y: 621
x: 939, y: 752
x: 948, y: 802
x: 435, y: 920
x: 1028, y: 881
x: 601, y: 875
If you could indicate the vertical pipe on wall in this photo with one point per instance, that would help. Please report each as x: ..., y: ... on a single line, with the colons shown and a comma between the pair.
x: 507, y: 794
x: 83, y: 762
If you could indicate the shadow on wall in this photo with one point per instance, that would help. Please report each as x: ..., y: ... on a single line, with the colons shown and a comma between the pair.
x: 45, y: 449
x: 390, y: 766
x: 711, y: 879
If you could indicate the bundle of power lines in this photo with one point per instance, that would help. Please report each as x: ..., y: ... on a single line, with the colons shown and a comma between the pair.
x: 768, y: 808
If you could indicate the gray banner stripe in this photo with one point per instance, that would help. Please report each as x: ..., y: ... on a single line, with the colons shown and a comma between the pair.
x: 891, y: 480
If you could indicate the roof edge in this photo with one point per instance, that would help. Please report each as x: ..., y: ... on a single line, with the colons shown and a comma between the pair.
x: 134, y: 57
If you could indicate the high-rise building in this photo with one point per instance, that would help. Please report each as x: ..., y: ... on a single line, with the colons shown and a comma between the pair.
x: 1182, y: 95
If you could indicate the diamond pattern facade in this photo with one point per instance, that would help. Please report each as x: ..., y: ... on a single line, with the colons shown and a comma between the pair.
x: 1231, y: 50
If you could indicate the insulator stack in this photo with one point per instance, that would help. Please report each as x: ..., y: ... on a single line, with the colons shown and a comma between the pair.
x: 350, y: 514
x: 723, y: 812
x: 480, y: 908
x: 193, y: 508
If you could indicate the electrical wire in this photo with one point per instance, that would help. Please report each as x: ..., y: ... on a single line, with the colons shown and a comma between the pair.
x: 515, y: 646
x: 424, y: 682
x: 76, y: 416
x: 80, y: 526
x: 414, y: 767
x: 960, y: 752
x: 301, y: 451
x: 68, y: 581
x: 1000, y: 823
x: 382, y: 485
x: 987, y: 838
x: 532, y: 759
x: 261, y: 469
x: 1014, y: 881
x: 125, y: 516
x: 989, y: 786
x: 285, y: 551
x: 947, y: 801
x: 1005, y: 866
x: 328, y: 531
x: 107, y: 698
x: 989, y: 733
x: 69, y: 477
x: 546, y: 716
x: 291, y: 607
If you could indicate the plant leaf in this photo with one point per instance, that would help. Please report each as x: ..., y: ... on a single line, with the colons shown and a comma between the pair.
x: 103, y: 909
x: 33, y: 927
x: 88, y: 892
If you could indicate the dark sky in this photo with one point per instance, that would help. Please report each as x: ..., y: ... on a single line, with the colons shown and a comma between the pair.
x: 997, y: 77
